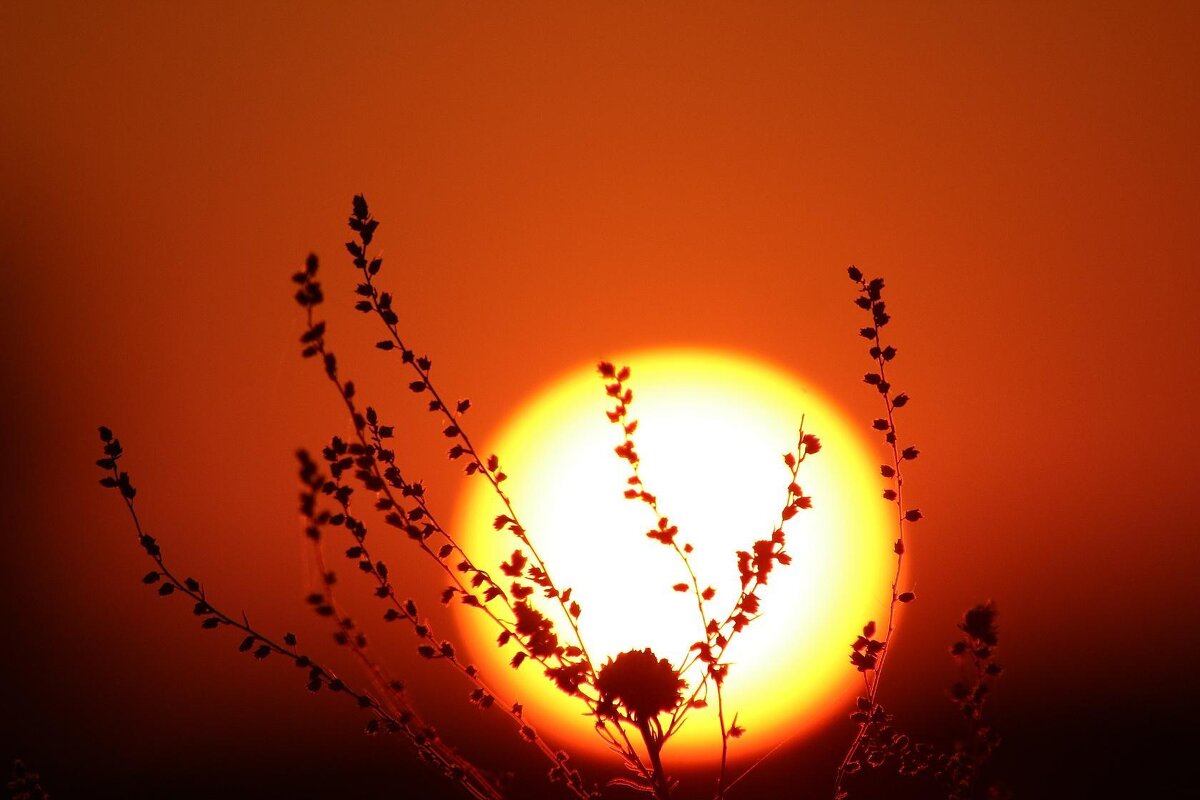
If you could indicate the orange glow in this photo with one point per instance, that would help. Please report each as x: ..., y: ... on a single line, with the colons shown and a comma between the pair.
x: 713, y: 428
x: 560, y: 182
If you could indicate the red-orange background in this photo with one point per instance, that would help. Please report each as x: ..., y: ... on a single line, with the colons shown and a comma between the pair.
x: 557, y: 182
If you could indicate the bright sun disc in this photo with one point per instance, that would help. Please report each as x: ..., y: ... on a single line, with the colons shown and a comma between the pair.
x: 713, y: 427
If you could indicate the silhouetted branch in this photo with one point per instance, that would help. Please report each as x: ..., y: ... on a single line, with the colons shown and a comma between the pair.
x: 262, y: 646
x: 574, y: 671
x: 430, y: 646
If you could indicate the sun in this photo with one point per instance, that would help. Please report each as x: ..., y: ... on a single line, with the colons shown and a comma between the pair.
x: 713, y: 427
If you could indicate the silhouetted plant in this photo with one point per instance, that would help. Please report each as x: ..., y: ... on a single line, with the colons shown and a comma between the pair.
x: 876, y: 739
x: 754, y: 568
x: 637, y: 699
x: 25, y: 784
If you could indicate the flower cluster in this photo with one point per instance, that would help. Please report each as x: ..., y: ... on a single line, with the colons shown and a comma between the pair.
x: 640, y: 683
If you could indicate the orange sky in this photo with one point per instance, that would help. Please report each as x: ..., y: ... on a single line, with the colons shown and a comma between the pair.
x: 557, y: 184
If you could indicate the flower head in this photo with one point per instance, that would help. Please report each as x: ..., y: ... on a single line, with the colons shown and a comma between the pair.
x: 642, y: 683
x: 980, y: 624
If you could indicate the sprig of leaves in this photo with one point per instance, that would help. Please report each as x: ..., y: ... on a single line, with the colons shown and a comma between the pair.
x: 261, y: 646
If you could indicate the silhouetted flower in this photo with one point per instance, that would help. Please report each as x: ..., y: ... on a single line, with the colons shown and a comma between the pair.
x: 641, y: 682
x: 980, y: 623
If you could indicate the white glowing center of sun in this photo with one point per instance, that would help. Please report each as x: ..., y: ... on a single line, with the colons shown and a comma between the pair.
x: 713, y: 428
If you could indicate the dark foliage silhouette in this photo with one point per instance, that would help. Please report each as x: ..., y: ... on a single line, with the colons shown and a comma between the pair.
x: 637, y: 700
x: 25, y: 784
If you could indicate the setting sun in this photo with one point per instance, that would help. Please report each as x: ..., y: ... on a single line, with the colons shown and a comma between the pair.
x: 713, y: 429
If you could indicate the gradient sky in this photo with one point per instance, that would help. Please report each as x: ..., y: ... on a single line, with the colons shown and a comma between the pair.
x: 556, y: 183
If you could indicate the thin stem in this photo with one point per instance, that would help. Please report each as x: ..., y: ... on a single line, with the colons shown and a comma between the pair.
x: 870, y: 293
x: 654, y: 743
x: 448, y: 762
x: 493, y: 476
x: 485, y: 696
x: 380, y: 303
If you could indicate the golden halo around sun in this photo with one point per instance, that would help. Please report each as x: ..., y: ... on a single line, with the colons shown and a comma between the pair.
x: 713, y: 428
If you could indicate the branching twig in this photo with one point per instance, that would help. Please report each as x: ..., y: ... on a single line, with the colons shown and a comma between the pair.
x: 754, y: 569
x: 429, y: 747
x: 870, y: 654
x: 430, y: 645
x: 575, y: 669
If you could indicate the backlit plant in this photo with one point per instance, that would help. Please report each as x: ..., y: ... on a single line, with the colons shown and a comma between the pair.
x: 638, y: 699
